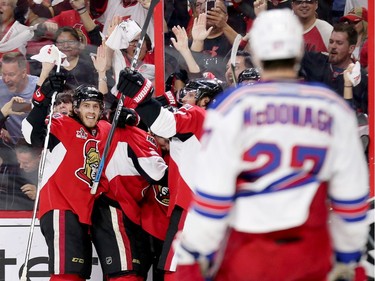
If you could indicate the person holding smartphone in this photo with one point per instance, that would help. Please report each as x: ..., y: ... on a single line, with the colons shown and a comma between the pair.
x: 212, y: 36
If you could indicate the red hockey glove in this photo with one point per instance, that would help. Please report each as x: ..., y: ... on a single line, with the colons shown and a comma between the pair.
x: 133, y: 85
x: 167, y: 99
x: 54, y: 83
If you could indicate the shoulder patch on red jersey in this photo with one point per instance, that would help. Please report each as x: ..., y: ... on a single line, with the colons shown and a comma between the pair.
x: 57, y: 115
x: 151, y: 140
x: 187, y: 106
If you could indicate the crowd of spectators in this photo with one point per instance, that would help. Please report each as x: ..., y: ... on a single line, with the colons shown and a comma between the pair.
x: 97, y: 39
x: 81, y: 30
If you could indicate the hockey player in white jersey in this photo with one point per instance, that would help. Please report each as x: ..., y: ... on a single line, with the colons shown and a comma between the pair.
x: 282, y: 183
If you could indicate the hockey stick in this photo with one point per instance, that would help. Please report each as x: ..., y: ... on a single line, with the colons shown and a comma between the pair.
x: 40, y: 177
x: 233, y: 54
x: 95, y: 183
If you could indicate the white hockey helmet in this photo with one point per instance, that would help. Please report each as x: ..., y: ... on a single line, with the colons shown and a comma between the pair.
x: 276, y: 34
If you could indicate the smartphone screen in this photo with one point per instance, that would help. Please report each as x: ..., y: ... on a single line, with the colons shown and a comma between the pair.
x: 21, y: 107
x: 209, y: 5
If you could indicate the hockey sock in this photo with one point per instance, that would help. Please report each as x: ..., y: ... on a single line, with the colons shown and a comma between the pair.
x: 66, y: 277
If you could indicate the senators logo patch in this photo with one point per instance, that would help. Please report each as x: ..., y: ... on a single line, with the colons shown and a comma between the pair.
x: 91, y: 162
x: 161, y: 194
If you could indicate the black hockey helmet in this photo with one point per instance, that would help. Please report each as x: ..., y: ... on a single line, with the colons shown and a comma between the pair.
x: 203, y: 88
x: 249, y: 75
x: 87, y: 93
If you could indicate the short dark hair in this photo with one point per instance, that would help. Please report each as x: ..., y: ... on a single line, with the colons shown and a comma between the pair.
x: 349, y: 30
x: 69, y: 29
x: 247, y: 58
x: 65, y: 96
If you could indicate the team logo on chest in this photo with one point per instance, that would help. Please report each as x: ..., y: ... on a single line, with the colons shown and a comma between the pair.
x: 91, y: 162
x: 161, y: 194
x: 81, y: 134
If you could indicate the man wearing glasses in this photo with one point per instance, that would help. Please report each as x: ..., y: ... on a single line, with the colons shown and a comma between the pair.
x: 316, y: 32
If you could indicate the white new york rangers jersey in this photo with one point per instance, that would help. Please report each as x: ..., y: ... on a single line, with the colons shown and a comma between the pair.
x: 266, y: 150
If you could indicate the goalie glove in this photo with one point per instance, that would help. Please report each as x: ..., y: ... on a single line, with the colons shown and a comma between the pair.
x: 133, y: 85
x: 54, y: 83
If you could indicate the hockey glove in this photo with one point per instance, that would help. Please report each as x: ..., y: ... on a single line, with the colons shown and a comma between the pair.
x: 167, y: 99
x: 342, y: 271
x: 133, y: 85
x: 127, y: 117
x: 54, y: 83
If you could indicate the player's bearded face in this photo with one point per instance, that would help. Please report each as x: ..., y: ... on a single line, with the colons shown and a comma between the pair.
x: 89, y: 113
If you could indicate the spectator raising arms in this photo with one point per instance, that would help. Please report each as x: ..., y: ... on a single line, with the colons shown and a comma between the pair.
x: 330, y: 69
x: 13, y: 34
x: 15, y: 82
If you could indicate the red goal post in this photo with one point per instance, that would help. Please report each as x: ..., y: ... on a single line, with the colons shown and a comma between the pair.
x: 371, y: 93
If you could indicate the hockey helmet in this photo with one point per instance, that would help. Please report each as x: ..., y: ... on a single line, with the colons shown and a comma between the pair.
x: 275, y: 35
x: 87, y: 93
x: 202, y: 87
x: 249, y: 75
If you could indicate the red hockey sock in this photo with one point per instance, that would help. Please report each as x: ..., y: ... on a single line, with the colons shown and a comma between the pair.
x: 130, y: 277
x: 65, y: 277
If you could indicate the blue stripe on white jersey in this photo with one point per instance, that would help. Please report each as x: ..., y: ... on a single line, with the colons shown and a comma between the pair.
x: 351, y: 210
x: 216, y: 207
x: 348, y: 257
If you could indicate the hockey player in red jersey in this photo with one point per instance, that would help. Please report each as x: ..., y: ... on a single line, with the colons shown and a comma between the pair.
x: 72, y: 160
x: 134, y: 165
x: 275, y: 158
x: 184, y: 129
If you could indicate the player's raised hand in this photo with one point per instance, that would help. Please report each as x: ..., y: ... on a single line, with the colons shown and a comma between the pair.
x: 133, y: 85
x: 54, y: 83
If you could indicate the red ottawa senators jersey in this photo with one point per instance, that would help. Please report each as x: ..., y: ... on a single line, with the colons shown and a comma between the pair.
x: 184, y: 131
x: 154, y: 209
x: 134, y: 163
x: 71, y: 166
